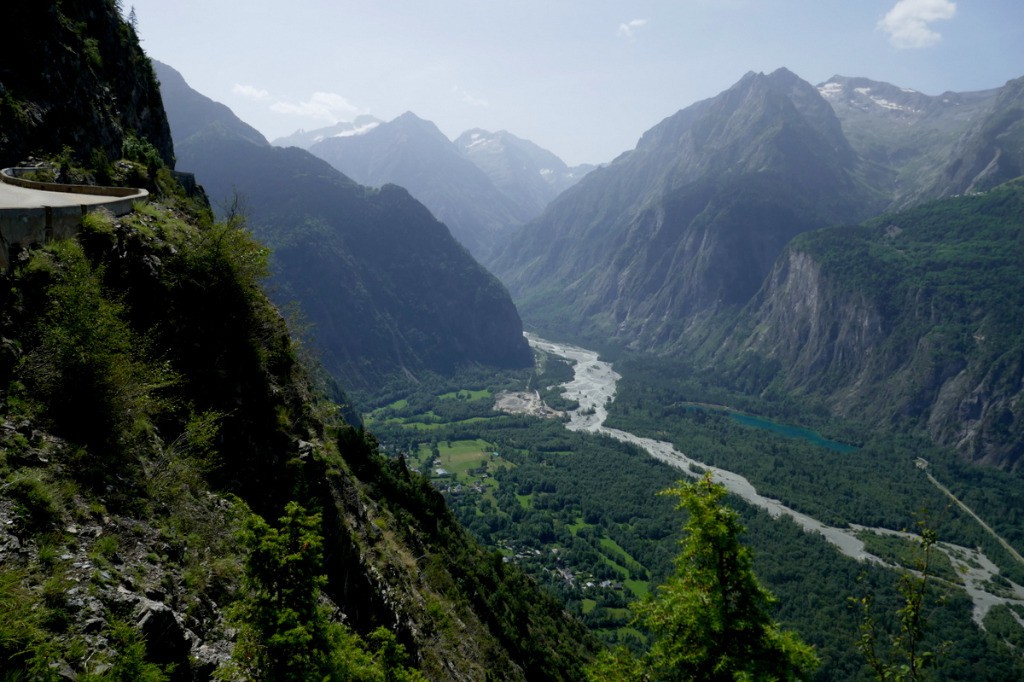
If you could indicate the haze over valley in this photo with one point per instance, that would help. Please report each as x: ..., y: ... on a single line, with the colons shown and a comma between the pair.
x: 533, y: 344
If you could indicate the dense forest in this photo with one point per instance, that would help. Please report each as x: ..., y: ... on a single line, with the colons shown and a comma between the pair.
x: 558, y: 503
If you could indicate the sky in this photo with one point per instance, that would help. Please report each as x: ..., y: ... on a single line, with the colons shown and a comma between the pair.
x: 582, y: 78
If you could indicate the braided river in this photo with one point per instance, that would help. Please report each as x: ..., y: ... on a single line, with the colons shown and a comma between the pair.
x: 593, y: 386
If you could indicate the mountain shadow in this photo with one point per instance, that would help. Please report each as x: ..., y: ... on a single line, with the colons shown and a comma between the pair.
x: 386, y: 288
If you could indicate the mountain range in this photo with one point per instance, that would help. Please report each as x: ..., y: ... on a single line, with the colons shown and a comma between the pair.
x: 690, y: 221
x: 525, y: 172
x: 678, y: 245
x: 483, y: 185
x: 383, y: 284
x: 911, y: 138
x: 307, y: 138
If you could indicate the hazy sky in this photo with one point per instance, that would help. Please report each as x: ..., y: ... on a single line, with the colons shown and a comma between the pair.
x: 583, y: 78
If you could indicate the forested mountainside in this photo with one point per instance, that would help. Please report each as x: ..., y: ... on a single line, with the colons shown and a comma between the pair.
x: 914, y: 319
x: 689, y: 222
x: 87, y: 98
x: 384, y: 286
x: 156, y: 423
x: 413, y: 153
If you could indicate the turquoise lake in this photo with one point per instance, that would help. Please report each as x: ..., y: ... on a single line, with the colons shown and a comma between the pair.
x: 785, y: 430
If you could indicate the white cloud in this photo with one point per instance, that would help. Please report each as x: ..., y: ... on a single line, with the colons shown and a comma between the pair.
x: 468, y: 98
x: 628, y: 30
x: 908, y: 23
x: 326, y: 106
x: 250, y: 92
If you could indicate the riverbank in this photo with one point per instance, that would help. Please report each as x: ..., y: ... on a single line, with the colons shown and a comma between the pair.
x: 594, y: 387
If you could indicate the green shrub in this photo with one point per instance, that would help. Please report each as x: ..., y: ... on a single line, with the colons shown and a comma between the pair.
x: 141, y: 151
x: 105, y: 546
x: 128, y: 663
x: 24, y: 649
x: 99, y: 222
x: 86, y: 365
x: 35, y: 501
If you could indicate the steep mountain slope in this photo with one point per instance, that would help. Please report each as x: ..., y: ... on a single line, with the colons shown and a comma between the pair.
x: 907, y: 136
x: 991, y: 151
x: 528, y: 174
x: 384, y: 285
x: 79, y: 56
x: 413, y: 153
x: 915, y: 319
x: 689, y: 222
x: 151, y: 402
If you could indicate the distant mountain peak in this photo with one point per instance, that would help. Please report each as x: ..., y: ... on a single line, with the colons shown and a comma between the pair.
x: 305, y: 139
x: 181, y: 101
x: 529, y: 174
x: 410, y: 118
x: 688, y: 223
x: 423, y: 128
x: 413, y: 152
x: 358, y: 128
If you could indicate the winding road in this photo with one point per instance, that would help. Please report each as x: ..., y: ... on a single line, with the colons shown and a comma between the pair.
x: 594, y: 385
x: 16, y: 197
x: 36, y: 212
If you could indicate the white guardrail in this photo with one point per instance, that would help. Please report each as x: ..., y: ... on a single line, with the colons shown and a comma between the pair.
x: 33, y: 212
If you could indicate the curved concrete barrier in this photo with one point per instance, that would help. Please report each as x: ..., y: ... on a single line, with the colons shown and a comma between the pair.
x: 33, y: 212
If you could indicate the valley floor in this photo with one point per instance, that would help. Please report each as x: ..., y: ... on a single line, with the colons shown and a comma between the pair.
x: 594, y: 388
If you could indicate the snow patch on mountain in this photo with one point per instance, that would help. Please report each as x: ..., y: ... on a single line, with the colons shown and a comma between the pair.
x: 838, y: 91
x: 357, y: 130
x: 831, y: 90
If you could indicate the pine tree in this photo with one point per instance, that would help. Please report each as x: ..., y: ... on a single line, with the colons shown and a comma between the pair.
x: 712, y: 619
x: 287, y: 637
x: 285, y: 632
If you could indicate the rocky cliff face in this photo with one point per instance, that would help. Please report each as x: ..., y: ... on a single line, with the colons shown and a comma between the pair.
x: 76, y: 77
x: 991, y: 150
x: 689, y: 223
x: 912, y: 320
x: 812, y: 327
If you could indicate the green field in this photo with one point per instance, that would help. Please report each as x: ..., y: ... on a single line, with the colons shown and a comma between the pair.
x: 639, y: 588
x: 467, y: 395
x: 460, y: 456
